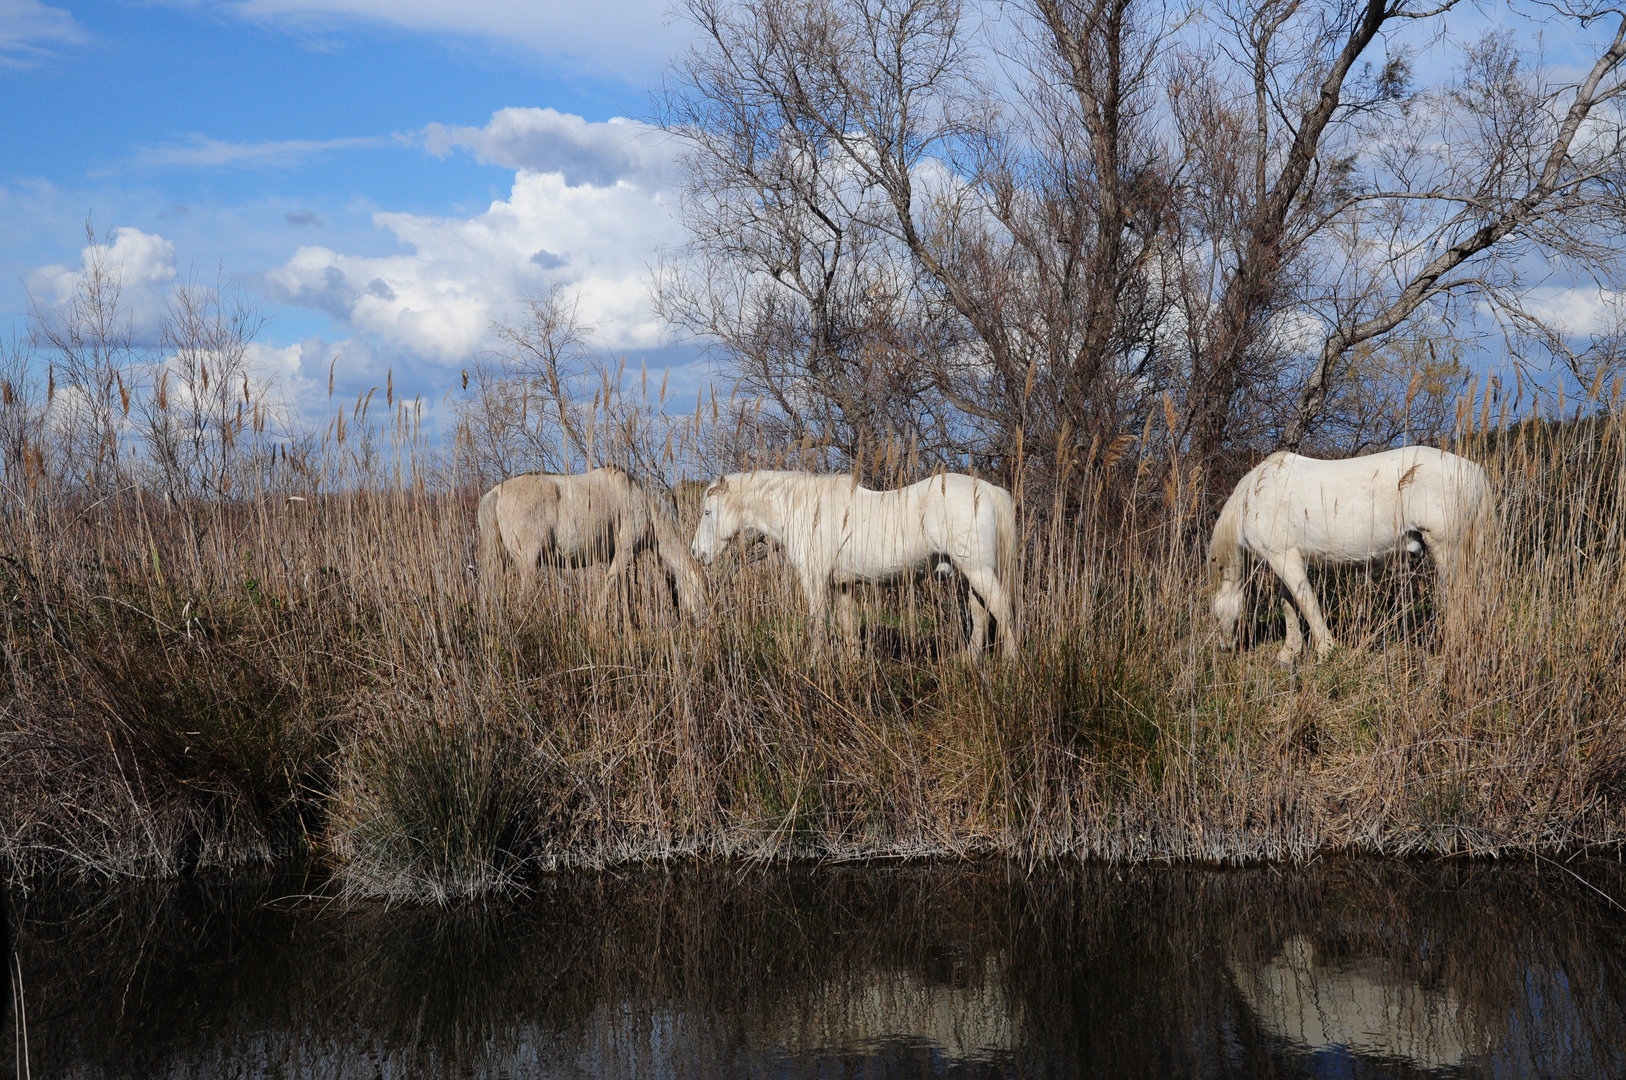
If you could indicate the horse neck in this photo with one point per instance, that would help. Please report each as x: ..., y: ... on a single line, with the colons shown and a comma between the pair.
x: 667, y: 537
x: 764, y: 509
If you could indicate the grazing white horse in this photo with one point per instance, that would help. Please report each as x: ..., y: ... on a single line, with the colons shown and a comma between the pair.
x: 838, y: 534
x: 1295, y: 512
x: 601, y: 516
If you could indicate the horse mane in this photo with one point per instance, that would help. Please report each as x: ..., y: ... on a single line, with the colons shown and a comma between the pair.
x: 1224, y: 544
x: 788, y: 487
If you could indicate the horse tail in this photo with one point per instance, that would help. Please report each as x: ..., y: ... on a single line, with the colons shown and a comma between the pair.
x: 670, y: 546
x: 1005, y: 526
x: 1479, y: 541
x: 492, y: 553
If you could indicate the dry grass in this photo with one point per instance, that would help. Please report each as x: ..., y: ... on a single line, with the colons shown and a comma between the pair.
x: 228, y: 681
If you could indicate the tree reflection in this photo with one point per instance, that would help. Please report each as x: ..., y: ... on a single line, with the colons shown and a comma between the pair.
x: 1344, y: 968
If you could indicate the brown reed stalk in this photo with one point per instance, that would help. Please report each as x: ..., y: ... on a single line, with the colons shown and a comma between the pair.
x: 312, y: 667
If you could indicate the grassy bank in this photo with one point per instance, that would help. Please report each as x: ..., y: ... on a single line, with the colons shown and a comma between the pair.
x: 214, y: 683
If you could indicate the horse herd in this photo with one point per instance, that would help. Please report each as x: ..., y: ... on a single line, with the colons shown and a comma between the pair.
x: 1290, y: 512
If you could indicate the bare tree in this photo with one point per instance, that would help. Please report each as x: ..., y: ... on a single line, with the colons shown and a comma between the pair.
x: 1199, y: 227
x: 1088, y: 214
x: 1529, y: 171
x: 805, y: 122
x: 1303, y: 80
x: 925, y: 264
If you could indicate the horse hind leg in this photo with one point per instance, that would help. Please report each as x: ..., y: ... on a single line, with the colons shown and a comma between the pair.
x: 847, y: 621
x: 979, y: 626
x: 1295, y: 635
x: 991, y: 592
x: 818, y: 605
x: 616, y: 585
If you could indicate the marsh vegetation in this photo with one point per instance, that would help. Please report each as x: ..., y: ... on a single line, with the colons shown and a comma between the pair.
x: 300, y: 659
x: 235, y: 634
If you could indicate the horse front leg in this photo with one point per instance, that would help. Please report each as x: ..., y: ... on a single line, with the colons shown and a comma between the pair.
x: 986, y: 585
x: 1450, y: 588
x: 818, y: 607
x: 847, y: 621
x: 1289, y: 567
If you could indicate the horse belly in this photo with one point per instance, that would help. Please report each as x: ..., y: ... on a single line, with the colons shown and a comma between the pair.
x: 579, y: 544
x: 1349, y: 534
x: 875, y: 556
x: 1345, y: 529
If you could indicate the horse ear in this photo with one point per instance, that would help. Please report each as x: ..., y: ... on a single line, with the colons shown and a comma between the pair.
x: 720, y: 484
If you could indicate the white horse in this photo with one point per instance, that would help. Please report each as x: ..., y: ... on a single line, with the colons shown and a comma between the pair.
x: 838, y: 534
x: 601, y: 516
x: 1295, y: 512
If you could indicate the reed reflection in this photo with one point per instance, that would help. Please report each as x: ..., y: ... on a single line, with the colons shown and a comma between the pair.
x: 1348, y: 968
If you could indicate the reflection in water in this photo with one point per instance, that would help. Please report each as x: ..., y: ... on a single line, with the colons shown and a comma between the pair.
x: 890, y: 1016
x: 958, y: 1022
x: 1350, y: 969
x: 1362, y: 1004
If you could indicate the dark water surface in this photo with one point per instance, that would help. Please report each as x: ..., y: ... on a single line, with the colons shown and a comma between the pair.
x: 1340, y: 969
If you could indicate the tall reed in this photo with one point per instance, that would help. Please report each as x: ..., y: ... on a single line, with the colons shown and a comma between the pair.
x: 312, y: 666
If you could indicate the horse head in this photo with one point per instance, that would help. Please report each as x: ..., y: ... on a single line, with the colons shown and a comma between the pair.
x: 1227, y: 573
x: 719, y: 521
x: 1229, y: 597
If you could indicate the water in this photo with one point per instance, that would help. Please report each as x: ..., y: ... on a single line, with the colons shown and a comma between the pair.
x: 1342, y: 969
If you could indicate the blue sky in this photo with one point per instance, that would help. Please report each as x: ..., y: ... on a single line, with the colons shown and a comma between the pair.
x: 389, y: 175
x: 349, y: 160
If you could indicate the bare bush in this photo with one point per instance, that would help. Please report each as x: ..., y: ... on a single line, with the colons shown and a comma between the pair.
x: 204, y: 413
x: 94, y: 370
x: 548, y: 401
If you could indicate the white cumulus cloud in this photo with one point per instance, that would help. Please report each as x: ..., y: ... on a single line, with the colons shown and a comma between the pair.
x: 1577, y: 311
x: 587, y: 208
x: 142, y: 264
x: 544, y: 140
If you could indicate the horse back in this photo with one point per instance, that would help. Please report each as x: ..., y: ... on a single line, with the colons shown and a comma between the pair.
x: 1354, y: 507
